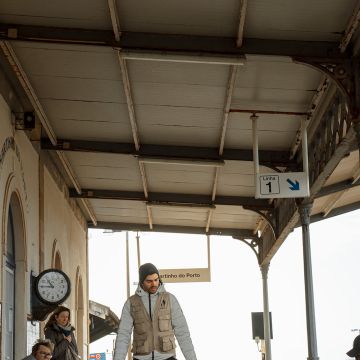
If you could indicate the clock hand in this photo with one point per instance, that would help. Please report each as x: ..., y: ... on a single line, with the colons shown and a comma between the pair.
x: 43, y: 286
x: 51, y: 285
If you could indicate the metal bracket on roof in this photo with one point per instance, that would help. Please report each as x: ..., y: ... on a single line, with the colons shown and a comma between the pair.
x: 345, y: 74
x: 24, y: 120
x: 269, y: 216
x: 254, y: 244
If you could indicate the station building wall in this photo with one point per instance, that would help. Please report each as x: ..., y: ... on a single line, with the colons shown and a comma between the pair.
x: 41, y: 228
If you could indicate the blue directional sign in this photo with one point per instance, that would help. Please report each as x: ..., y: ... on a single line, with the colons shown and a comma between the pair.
x: 282, y: 185
x: 98, y: 356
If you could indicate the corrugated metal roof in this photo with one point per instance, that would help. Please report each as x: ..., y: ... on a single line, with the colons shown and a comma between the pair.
x: 90, y: 91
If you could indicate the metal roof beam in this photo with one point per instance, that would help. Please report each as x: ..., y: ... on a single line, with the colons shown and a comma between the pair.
x: 170, y: 43
x: 172, y: 198
x: 351, y: 28
x: 334, y: 212
x: 268, y: 158
x: 242, y: 16
x: 243, y: 233
x: 337, y: 187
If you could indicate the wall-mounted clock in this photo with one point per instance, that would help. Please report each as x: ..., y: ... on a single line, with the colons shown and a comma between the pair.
x: 52, y: 287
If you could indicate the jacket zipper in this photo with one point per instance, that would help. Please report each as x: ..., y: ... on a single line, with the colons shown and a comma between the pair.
x: 152, y: 354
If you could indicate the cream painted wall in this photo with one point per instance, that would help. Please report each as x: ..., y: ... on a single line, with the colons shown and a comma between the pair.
x: 71, y: 236
x: 19, y: 173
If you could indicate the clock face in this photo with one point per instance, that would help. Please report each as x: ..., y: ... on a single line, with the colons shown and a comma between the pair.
x: 52, y: 286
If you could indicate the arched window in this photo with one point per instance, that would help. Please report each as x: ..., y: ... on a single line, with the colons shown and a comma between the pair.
x: 57, y: 261
x: 9, y: 293
x: 14, y: 303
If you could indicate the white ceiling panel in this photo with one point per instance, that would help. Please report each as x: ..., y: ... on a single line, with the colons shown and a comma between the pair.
x: 232, y: 217
x: 123, y: 219
x: 78, y: 89
x: 162, y: 72
x: 106, y: 172
x: 218, y: 17
x: 177, y: 102
x: 179, y: 95
x: 266, y: 122
x: 120, y: 211
x: 349, y: 197
x: 71, y: 61
x: 276, y: 73
x: 345, y: 170
x: 236, y: 185
x: 173, y: 215
x: 287, y: 97
x: 320, y: 204
x: 169, y: 125
x: 180, y: 179
x: 119, y: 208
x: 298, y: 20
x: 65, y: 13
x: 236, y: 178
x: 71, y: 119
x: 269, y: 139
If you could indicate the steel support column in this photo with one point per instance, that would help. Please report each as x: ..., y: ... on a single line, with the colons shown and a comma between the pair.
x: 264, y: 272
x: 304, y: 211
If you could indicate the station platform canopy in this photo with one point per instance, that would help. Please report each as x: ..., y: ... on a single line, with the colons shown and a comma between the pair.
x: 103, y: 321
x: 146, y: 108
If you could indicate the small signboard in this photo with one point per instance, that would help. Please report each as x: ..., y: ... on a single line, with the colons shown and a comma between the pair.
x: 282, y: 185
x: 185, y: 275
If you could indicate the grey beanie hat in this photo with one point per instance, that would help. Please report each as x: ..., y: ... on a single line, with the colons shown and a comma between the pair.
x: 145, y: 270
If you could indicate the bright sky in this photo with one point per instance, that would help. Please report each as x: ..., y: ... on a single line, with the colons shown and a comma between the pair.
x: 219, y: 313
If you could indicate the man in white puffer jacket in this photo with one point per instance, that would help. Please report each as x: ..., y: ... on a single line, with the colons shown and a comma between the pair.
x: 155, y: 317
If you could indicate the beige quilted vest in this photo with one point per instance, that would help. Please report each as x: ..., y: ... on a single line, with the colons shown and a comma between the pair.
x: 156, y: 334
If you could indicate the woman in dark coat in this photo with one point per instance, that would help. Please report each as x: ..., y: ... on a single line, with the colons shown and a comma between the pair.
x: 60, y: 332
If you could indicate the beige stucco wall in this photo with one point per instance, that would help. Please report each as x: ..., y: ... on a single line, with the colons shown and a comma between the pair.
x: 47, y: 215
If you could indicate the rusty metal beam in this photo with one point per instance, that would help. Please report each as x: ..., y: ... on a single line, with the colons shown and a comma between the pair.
x: 172, y: 198
x: 335, y: 212
x: 239, y: 233
x: 337, y: 187
x: 269, y: 112
x: 190, y: 44
x: 266, y: 157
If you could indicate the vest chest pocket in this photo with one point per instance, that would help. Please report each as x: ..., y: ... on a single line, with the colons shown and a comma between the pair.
x: 167, y: 343
x: 164, y: 322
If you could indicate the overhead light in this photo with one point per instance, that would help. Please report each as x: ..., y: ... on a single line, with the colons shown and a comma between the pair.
x: 196, y: 58
x: 181, y: 161
x: 175, y: 204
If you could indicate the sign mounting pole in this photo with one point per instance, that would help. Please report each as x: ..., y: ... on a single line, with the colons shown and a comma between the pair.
x: 305, y: 154
x: 281, y: 184
x: 254, y: 119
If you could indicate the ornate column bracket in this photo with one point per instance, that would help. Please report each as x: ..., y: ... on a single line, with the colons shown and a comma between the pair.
x: 269, y: 216
x: 345, y: 74
x: 252, y: 243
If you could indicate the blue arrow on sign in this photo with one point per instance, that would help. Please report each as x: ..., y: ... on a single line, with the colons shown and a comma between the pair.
x: 294, y: 185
